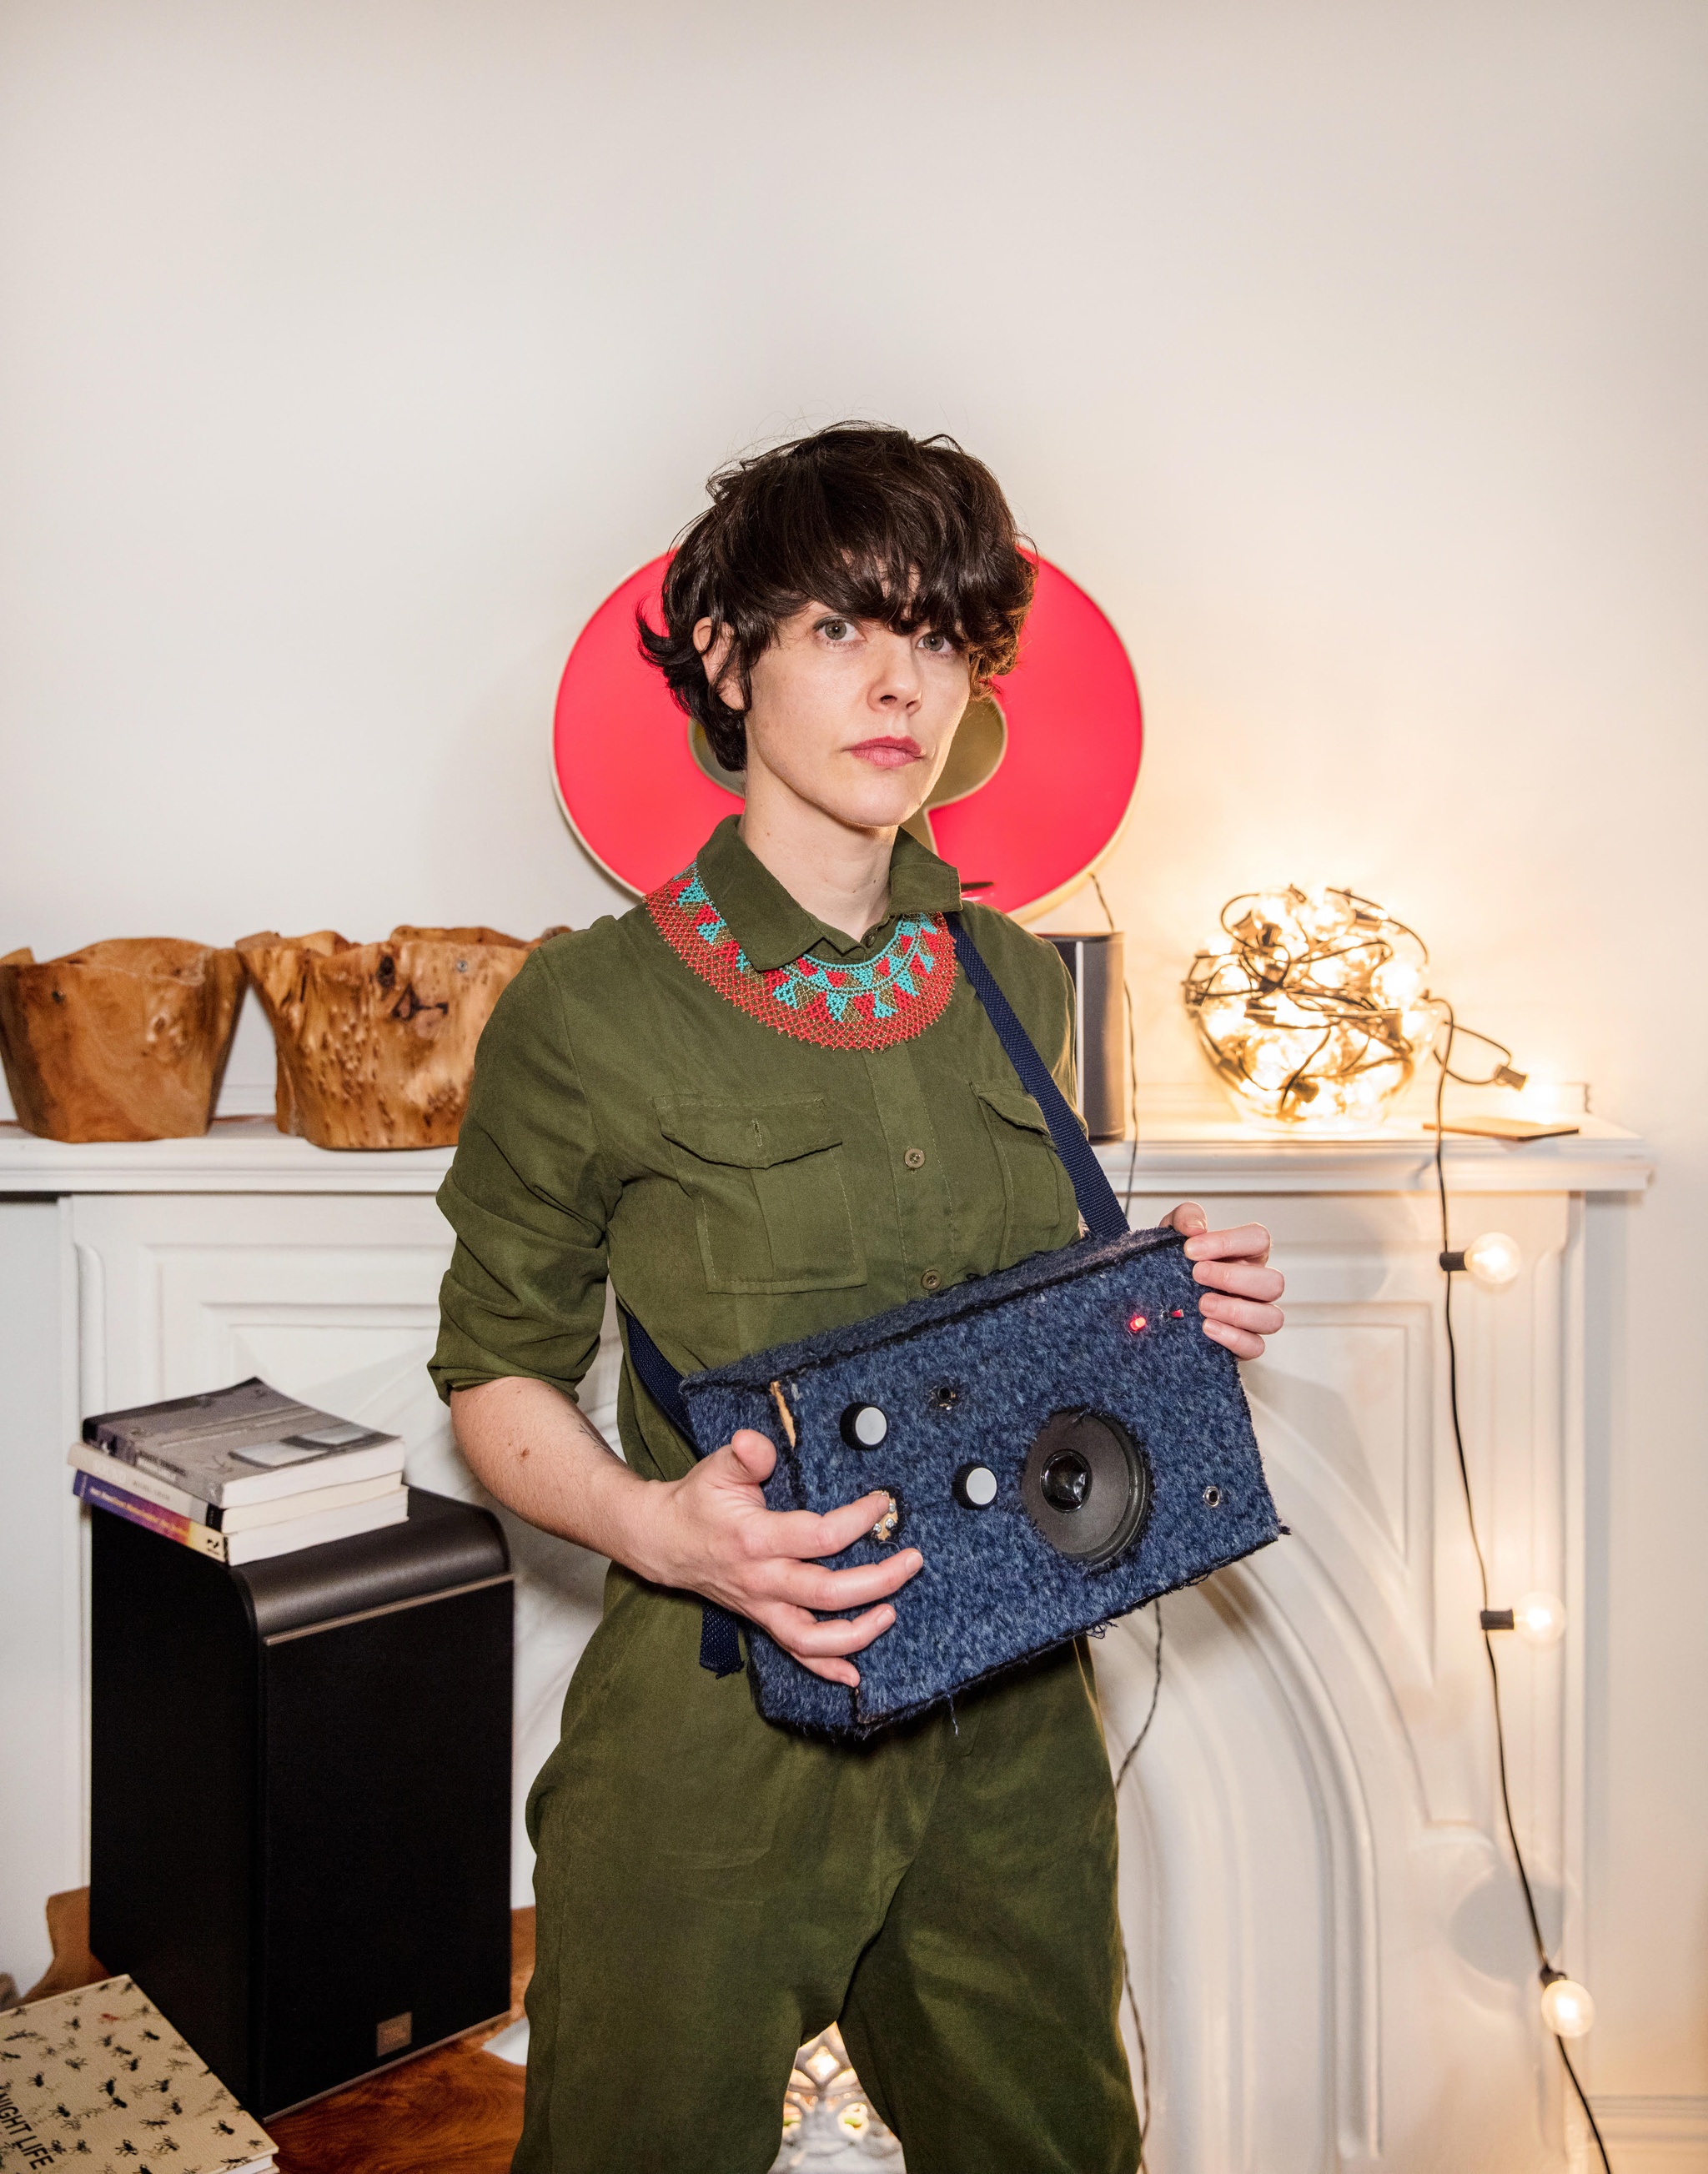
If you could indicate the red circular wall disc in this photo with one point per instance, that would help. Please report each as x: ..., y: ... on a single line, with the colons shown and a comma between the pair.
x: 635, y: 797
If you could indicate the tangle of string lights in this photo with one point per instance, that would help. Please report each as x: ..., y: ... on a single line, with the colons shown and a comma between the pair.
x: 1314, y: 1011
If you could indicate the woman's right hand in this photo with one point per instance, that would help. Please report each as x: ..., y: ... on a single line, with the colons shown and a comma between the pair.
x: 712, y: 1534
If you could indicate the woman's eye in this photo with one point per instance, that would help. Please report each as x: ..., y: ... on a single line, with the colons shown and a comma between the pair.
x: 836, y: 629
x: 936, y: 645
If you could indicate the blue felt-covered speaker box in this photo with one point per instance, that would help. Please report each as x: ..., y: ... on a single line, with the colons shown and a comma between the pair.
x: 1063, y: 1442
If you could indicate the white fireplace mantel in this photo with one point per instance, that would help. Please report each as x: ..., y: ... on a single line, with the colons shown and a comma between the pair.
x: 250, y: 1155
x: 1320, y: 1912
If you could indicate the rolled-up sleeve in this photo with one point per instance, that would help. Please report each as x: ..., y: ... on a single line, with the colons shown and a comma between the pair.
x: 530, y: 1200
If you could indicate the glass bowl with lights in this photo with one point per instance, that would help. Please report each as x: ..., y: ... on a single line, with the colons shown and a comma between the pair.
x: 1313, y: 1008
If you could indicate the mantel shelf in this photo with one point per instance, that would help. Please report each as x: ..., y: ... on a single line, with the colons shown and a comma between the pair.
x: 248, y: 1155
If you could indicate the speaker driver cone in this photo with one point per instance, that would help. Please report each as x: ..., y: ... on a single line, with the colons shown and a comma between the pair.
x: 1086, y: 1485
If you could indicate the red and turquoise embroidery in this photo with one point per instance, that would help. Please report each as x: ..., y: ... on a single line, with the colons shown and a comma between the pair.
x: 881, y: 1001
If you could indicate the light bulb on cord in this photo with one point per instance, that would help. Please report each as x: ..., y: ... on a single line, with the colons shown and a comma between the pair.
x: 1493, y: 1260
x: 1566, y: 2007
x: 1539, y: 1618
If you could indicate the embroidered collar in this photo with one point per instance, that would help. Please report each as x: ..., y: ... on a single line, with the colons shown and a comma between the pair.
x: 867, y: 1003
x: 773, y: 928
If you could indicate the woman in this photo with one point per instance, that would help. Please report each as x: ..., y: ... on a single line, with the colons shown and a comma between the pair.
x: 763, y: 1104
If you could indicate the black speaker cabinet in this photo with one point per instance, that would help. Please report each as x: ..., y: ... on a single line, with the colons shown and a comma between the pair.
x: 300, y: 1774
x: 1097, y: 965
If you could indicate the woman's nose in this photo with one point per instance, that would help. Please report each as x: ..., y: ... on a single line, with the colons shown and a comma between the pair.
x: 897, y: 683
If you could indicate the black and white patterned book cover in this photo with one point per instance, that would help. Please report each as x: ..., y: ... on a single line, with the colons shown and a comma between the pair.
x: 98, y: 2081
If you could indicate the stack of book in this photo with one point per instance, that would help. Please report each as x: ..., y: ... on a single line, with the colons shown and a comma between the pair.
x: 241, y: 1474
x: 100, y: 2079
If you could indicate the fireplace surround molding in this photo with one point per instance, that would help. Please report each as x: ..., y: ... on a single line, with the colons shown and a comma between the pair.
x: 1323, y: 1927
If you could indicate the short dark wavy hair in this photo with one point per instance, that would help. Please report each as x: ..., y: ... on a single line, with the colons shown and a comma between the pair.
x: 861, y: 518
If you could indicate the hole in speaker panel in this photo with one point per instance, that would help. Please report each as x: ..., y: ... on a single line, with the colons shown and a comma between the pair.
x: 1086, y: 1486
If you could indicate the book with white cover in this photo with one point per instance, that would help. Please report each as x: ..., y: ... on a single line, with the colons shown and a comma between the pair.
x: 99, y: 2079
x: 266, y: 1541
x: 243, y: 1519
x: 246, y: 1444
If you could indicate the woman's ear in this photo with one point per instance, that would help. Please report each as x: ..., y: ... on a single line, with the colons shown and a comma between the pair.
x: 714, y: 643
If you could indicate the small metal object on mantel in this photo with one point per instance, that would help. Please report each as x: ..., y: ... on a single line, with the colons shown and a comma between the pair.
x: 1097, y: 967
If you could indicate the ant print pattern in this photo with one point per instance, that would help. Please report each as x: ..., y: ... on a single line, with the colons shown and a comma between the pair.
x: 98, y: 2077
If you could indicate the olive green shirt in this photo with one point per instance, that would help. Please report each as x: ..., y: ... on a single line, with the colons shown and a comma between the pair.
x: 740, y: 1187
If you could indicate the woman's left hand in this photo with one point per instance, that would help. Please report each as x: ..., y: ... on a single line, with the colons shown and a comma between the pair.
x: 1240, y: 1288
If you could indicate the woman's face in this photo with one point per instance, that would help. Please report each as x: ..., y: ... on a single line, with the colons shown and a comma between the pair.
x: 849, y: 716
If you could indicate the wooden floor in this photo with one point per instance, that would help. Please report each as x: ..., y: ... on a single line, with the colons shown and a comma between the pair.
x: 457, y: 2111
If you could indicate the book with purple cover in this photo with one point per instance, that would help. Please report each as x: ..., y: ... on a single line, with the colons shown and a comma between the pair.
x: 260, y: 1542
x: 133, y: 1480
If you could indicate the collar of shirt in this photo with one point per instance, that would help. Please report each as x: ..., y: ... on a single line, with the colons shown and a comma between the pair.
x: 773, y: 929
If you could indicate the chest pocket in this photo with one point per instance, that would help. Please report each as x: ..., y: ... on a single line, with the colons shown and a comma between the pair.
x: 769, y: 1192
x: 1038, y: 1204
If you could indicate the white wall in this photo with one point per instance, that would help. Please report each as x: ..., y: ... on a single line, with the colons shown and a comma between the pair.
x: 1349, y: 351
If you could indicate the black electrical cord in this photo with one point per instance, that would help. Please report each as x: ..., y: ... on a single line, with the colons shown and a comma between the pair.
x: 1126, y: 1967
x: 1444, y: 1058
x: 1156, y: 1681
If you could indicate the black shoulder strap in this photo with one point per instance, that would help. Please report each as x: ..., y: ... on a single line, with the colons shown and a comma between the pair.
x: 720, y: 1648
x: 658, y: 1377
x: 1104, y: 1217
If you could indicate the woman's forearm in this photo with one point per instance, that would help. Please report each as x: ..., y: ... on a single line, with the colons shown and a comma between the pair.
x: 537, y: 1451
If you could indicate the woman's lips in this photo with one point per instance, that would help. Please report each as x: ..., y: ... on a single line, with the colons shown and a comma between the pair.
x: 887, y: 755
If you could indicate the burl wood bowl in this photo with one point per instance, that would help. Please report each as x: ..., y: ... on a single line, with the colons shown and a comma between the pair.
x: 376, y: 1042
x: 123, y: 1040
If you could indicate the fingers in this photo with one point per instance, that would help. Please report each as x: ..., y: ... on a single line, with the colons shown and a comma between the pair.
x: 810, y: 1585
x: 755, y: 1455
x: 808, y: 1640
x: 1242, y: 1313
x: 1187, y: 1217
x: 833, y: 1672
x: 820, y: 1646
x: 751, y: 1459
x: 1241, y: 1280
x: 1250, y: 1240
x: 1239, y: 1289
x: 1239, y: 1341
x: 804, y: 1533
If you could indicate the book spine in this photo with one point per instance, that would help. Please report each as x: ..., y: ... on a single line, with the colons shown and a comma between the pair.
x: 169, y: 1524
x: 131, y: 1480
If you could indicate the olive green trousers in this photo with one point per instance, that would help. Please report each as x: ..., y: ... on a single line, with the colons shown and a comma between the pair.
x: 713, y: 1890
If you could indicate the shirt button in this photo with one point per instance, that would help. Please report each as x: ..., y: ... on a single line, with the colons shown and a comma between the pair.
x: 914, y: 1158
x: 931, y: 1280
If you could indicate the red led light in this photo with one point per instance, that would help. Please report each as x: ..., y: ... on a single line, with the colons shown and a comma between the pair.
x: 1179, y: 1314
x: 1135, y: 1321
